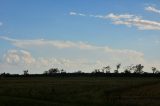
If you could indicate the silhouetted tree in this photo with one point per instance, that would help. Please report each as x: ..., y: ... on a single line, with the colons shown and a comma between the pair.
x: 117, y: 66
x: 154, y: 69
x: 138, y: 69
x: 25, y: 72
x: 53, y: 71
x: 128, y: 69
x: 3, y: 74
x: 63, y: 71
x: 107, y: 69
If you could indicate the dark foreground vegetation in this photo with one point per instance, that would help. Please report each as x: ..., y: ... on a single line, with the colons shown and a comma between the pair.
x: 102, y: 87
x: 79, y: 90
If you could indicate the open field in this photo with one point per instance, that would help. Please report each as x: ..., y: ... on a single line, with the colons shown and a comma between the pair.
x: 79, y: 91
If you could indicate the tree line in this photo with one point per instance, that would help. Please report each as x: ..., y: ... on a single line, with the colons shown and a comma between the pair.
x: 137, y: 69
x: 131, y: 69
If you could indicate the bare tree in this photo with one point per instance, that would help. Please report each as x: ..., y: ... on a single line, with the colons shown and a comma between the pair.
x: 25, y: 72
x: 117, y: 66
x: 138, y: 69
x: 107, y: 69
x: 154, y: 69
x: 128, y: 69
x: 62, y: 71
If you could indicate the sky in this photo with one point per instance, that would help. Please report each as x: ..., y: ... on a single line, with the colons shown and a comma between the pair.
x: 78, y: 35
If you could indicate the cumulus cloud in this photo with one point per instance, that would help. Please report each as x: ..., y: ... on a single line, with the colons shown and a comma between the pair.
x: 152, y: 9
x: 19, y: 60
x: 15, y: 61
x: 18, y: 57
x: 130, y: 20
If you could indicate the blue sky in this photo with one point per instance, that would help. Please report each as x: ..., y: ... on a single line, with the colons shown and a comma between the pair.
x: 78, y: 35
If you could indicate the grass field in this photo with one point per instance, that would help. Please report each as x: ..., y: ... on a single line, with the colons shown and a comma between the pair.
x: 79, y: 91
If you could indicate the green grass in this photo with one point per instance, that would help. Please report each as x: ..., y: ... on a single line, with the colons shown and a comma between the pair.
x: 79, y: 91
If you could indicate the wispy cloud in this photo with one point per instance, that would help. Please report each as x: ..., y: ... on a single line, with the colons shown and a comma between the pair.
x: 132, y: 20
x: 79, y: 14
x: 68, y: 44
x: 152, y: 9
x: 129, y: 20
x: 41, y: 42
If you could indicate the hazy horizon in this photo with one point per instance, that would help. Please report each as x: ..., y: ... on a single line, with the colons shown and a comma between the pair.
x: 78, y: 35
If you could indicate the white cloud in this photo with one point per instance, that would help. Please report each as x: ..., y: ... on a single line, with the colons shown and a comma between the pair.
x: 117, y: 17
x: 129, y: 20
x: 73, y: 13
x: 42, y: 42
x: 132, y: 20
x: 152, y: 9
x: 23, y: 44
x: 18, y: 57
x: 15, y: 61
x: 78, y: 14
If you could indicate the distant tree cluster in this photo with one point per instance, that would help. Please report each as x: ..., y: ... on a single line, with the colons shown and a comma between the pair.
x: 53, y: 71
x: 136, y: 69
